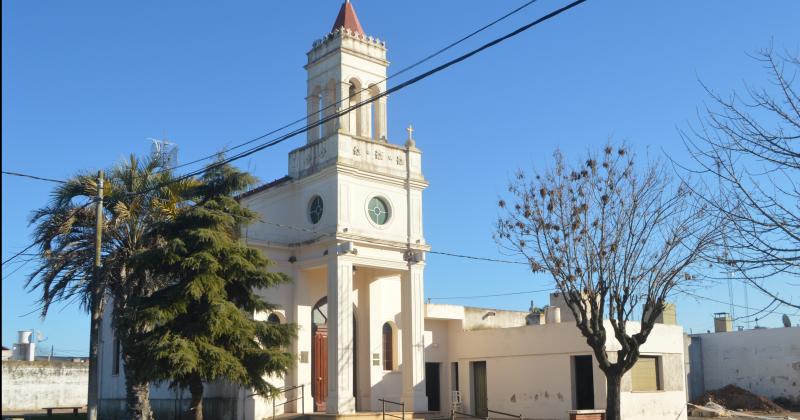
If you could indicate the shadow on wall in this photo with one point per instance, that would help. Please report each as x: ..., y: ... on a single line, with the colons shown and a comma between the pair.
x: 170, y: 409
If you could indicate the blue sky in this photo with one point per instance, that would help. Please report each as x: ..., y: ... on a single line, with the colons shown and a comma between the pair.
x: 87, y: 82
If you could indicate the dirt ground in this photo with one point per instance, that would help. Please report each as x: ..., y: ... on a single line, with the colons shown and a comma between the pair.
x: 795, y: 415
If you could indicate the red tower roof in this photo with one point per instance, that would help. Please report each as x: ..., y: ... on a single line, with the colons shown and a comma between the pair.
x: 347, y: 18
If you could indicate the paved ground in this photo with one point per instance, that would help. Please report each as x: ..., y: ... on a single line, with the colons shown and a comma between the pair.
x: 41, y: 414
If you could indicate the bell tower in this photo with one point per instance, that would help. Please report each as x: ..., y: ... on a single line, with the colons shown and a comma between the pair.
x: 372, y: 175
x: 344, y: 68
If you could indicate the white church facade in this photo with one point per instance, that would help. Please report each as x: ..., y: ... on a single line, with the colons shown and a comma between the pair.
x: 346, y: 224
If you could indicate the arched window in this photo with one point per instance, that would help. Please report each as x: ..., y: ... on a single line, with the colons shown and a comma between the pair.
x: 328, y: 108
x: 314, y: 113
x: 354, y: 94
x: 273, y: 318
x: 374, y: 114
x: 388, y: 347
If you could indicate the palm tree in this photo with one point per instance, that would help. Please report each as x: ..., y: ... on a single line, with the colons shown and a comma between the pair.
x: 138, y: 192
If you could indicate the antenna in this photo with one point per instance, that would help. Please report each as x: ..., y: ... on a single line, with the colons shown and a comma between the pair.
x: 164, y: 150
x: 746, y: 305
x: 725, y: 255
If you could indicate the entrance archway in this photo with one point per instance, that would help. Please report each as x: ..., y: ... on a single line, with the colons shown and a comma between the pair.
x: 319, y: 354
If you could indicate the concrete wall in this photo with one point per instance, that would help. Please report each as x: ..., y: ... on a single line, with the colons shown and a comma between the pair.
x: 483, y: 318
x: 763, y: 361
x: 693, y: 364
x: 35, y: 385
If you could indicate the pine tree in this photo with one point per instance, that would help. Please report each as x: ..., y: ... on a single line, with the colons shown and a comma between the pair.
x: 201, y: 325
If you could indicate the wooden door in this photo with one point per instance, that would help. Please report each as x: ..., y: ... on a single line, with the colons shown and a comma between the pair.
x: 319, y: 367
x: 480, y: 394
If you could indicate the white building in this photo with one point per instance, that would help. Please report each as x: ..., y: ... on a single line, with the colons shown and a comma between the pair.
x: 346, y: 224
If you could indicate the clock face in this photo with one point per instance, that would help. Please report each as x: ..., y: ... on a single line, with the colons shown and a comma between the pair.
x: 378, y: 211
x: 315, y: 209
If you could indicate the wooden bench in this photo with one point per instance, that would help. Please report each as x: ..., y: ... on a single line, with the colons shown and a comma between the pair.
x: 74, y: 409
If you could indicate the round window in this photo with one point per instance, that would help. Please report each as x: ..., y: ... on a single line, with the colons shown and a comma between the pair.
x: 378, y: 211
x: 315, y: 209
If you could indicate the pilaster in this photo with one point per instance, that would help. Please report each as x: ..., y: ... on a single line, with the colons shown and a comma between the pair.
x: 340, y: 334
x: 413, y: 328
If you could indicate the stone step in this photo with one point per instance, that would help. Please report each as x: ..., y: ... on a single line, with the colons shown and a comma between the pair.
x: 361, y: 416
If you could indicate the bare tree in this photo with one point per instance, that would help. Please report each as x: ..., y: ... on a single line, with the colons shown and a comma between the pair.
x: 749, y: 144
x: 616, y: 240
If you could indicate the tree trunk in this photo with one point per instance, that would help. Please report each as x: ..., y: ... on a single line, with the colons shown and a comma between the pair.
x: 196, y: 406
x: 138, y: 400
x: 613, y: 385
x: 94, y: 350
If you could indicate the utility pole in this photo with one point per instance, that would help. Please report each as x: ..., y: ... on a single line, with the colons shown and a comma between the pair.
x: 96, y: 303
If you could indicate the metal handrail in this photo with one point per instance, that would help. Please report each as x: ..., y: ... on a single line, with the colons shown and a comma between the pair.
x: 383, y: 409
x: 284, y: 390
x: 516, y: 416
x: 454, y: 412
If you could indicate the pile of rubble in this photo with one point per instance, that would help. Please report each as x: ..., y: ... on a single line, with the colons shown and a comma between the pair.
x: 730, y: 400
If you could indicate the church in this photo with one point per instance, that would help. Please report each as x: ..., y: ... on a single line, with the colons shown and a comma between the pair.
x: 346, y: 224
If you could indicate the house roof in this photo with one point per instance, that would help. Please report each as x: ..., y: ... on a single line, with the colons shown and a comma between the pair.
x: 347, y: 18
x: 264, y: 187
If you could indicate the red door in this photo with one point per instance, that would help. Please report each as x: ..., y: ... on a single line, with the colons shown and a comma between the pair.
x: 319, y: 367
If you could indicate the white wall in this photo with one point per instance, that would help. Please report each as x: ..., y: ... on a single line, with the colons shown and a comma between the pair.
x: 384, y: 305
x: 763, y: 361
x: 35, y: 385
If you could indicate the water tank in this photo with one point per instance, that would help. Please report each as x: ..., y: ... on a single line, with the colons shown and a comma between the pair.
x: 723, y: 322
x: 26, y: 346
x: 553, y: 315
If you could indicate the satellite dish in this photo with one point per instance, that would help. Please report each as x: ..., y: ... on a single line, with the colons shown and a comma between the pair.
x: 39, y: 336
x: 786, y: 321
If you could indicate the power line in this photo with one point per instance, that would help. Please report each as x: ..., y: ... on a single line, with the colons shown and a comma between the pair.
x: 448, y: 254
x: 366, y: 89
x: 349, y: 109
x: 23, y: 252
x: 402, y: 85
x: 758, y: 312
x: 477, y: 258
x: 527, y: 292
x: 18, y: 268
x: 723, y: 302
x: 40, y: 178
x: 18, y: 253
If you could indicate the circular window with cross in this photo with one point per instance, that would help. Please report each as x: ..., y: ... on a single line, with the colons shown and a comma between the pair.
x: 315, y: 208
x: 378, y: 210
